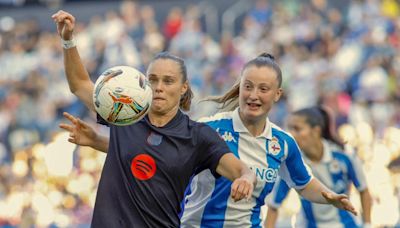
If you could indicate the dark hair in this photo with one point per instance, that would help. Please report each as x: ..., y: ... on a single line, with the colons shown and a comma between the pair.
x: 230, y: 98
x: 319, y: 116
x: 187, y: 97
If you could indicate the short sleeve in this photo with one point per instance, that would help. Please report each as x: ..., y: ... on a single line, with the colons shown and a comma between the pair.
x: 293, y: 170
x: 356, y: 174
x: 212, y: 149
x: 100, y: 120
x: 278, y: 194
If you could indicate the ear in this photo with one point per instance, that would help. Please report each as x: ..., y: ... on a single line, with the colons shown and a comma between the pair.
x: 278, y: 95
x: 184, y: 88
x: 317, y: 130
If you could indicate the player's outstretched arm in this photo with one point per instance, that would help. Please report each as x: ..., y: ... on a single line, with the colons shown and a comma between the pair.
x: 316, y: 192
x: 272, y: 217
x: 244, y: 180
x: 78, y: 78
x: 82, y: 134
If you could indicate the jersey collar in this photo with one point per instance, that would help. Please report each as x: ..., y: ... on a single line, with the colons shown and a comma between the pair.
x: 327, y: 156
x: 238, y: 126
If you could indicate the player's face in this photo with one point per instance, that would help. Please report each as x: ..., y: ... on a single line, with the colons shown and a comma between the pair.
x: 166, y: 82
x: 259, y: 90
x: 305, y: 135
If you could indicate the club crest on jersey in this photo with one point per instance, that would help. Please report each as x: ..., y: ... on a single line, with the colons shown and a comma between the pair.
x: 154, y: 139
x: 273, y: 146
x: 334, y: 167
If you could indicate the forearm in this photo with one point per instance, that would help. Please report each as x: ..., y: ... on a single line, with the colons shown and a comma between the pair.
x: 232, y: 168
x: 366, y: 204
x: 312, y: 192
x: 272, y: 217
x: 101, y: 143
x: 78, y: 78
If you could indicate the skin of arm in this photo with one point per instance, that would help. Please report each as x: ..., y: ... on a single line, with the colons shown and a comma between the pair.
x: 366, y: 204
x: 316, y: 192
x: 244, y: 180
x: 272, y: 217
x: 78, y: 78
x: 82, y: 134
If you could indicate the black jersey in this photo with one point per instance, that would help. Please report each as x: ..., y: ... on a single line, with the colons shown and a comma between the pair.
x: 148, y: 168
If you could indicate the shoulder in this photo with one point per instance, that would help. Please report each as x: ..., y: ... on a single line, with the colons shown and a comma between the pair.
x: 217, y: 117
x: 281, y: 134
x: 219, y: 120
x: 341, y: 156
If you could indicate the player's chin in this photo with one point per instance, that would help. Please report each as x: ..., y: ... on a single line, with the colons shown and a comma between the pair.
x: 252, y: 113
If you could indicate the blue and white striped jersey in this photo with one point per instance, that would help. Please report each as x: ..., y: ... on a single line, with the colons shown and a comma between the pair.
x: 337, y: 171
x: 273, y: 153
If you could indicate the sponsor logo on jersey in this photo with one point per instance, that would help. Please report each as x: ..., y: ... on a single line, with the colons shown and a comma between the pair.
x: 265, y: 174
x: 143, y: 167
x: 273, y: 146
x: 226, y: 136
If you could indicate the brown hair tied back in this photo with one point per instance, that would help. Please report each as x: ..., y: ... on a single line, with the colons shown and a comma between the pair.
x: 267, y: 55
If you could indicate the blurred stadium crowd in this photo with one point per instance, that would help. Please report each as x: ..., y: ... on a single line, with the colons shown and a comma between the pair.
x: 347, y: 59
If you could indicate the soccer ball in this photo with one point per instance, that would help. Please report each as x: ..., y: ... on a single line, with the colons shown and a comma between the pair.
x: 122, y: 95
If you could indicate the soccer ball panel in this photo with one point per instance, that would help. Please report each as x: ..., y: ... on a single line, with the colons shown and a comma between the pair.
x: 122, y: 95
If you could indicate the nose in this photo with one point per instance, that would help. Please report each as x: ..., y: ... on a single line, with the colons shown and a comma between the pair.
x: 157, y: 86
x: 253, y: 94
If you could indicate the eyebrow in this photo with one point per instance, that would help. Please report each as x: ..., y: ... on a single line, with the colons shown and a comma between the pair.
x: 166, y: 75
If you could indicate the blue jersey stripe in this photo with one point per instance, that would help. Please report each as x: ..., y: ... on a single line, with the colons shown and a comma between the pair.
x: 346, y: 219
x: 215, y: 208
x: 307, y: 210
x: 214, y: 212
x: 281, y: 192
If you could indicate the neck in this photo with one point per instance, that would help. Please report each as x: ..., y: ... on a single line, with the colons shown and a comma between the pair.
x: 315, y: 153
x: 255, y: 127
x: 161, y: 119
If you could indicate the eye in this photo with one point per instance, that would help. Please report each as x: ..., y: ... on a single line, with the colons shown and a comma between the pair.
x: 168, y: 80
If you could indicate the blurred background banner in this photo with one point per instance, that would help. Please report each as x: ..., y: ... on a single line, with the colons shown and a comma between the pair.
x: 342, y: 54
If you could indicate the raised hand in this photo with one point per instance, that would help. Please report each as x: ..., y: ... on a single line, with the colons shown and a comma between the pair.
x: 65, y: 24
x: 80, y: 132
x: 340, y: 201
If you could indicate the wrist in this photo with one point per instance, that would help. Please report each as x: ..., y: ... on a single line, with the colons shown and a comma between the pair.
x: 67, y: 44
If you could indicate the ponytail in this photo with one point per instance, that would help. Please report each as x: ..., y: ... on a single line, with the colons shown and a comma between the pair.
x: 230, y: 100
x: 186, y: 99
x: 328, y: 130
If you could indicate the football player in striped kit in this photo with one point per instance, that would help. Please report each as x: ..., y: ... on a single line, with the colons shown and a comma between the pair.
x: 323, y: 153
x: 267, y: 149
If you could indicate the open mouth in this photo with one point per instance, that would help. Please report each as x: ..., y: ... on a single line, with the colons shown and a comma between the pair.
x: 253, y: 105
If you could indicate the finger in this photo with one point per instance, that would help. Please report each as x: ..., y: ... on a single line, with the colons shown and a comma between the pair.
x: 82, y: 123
x: 249, y: 192
x: 233, y: 191
x: 239, y: 192
x: 70, y: 117
x: 66, y: 127
x: 69, y: 24
x: 348, y: 206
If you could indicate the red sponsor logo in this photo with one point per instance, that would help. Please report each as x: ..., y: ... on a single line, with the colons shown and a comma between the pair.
x: 143, y: 167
